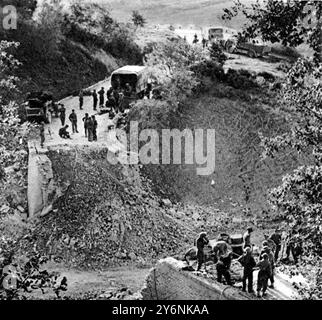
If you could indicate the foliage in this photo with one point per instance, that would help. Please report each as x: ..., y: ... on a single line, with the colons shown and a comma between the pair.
x: 171, y: 65
x: 291, y: 22
x: 25, y: 8
x: 217, y: 54
x: 92, y: 25
x: 299, y: 196
x: 240, y: 79
x: 137, y: 19
x: 18, y: 278
x: 49, y: 21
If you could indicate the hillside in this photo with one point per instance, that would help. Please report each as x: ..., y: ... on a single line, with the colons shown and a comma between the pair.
x: 176, y: 12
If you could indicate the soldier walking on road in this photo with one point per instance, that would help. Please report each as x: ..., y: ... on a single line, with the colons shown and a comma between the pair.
x: 85, y: 120
x: 90, y: 129
x: 202, y: 241
x: 95, y: 100
x: 248, y: 262
x: 62, y: 116
x: 81, y: 99
x: 101, y: 95
x: 94, y: 128
x: 73, y: 120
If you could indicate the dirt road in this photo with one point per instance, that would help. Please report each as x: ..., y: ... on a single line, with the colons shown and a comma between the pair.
x: 105, y: 137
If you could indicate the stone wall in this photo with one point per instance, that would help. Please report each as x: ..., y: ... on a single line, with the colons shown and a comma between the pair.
x: 168, y: 282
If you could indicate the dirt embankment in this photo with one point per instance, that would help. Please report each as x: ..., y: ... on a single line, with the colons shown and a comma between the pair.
x: 241, y: 178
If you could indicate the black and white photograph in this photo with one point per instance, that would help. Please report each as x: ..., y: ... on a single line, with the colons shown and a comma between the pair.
x: 161, y: 150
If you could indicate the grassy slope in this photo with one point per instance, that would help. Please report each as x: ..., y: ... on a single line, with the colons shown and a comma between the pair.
x: 183, y: 12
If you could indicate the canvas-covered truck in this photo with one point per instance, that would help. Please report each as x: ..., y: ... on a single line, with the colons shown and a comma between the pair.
x: 38, y: 107
x: 134, y: 76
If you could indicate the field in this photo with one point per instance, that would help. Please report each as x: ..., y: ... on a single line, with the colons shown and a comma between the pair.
x: 199, y: 13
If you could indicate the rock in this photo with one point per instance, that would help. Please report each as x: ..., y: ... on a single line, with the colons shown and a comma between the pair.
x: 106, y: 295
x: 121, y: 255
x: 21, y: 209
x: 196, y: 216
x: 167, y: 203
x: 4, y: 209
x: 132, y: 256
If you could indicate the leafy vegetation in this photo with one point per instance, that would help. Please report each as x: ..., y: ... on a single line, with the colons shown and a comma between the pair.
x: 137, y: 19
x: 290, y: 22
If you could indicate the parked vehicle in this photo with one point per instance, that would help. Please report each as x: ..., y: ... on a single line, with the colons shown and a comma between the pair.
x: 251, y: 49
x: 138, y: 80
x: 38, y: 107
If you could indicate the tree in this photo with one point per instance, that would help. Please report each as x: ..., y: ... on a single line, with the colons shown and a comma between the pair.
x: 290, y: 22
x: 299, y: 196
x: 137, y: 19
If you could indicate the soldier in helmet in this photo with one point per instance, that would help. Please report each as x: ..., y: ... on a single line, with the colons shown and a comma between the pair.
x: 247, y: 237
x: 202, y: 241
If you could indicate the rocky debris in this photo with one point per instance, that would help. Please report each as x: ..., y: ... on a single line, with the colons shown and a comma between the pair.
x: 113, y: 220
x: 167, y: 203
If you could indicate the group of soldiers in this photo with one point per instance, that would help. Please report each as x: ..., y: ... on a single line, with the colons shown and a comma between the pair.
x: 268, y: 256
x: 90, y: 124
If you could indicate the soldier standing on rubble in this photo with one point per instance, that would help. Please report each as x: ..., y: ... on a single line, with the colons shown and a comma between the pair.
x: 202, y: 241
x: 246, y: 237
x: 271, y: 259
x: 277, y: 238
x: 264, y: 273
x: 248, y: 262
x: 223, y: 267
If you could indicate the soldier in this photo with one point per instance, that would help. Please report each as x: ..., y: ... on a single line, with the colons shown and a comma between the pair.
x: 42, y: 134
x: 271, y: 259
x: 81, y: 99
x: 90, y: 128
x: 63, y: 133
x: 246, y: 237
x: 248, y: 262
x: 73, y: 120
x: 202, y: 241
x: 95, y: 100
x: 94, y: 128
x: 264, y: 273
x: 277, y: 238
x: 85, y: 120
x: 101, y: 95
x: 62, y: 111
x: 128, y: 90
x: 223, y: 267
x: 204, y: 41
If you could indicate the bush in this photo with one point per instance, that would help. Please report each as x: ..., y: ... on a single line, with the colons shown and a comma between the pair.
x: 240, y: 79
x: 211, y: 69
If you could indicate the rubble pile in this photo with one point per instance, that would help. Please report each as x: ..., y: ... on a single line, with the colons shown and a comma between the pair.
x: 106, y: 216
x: 108, y: 294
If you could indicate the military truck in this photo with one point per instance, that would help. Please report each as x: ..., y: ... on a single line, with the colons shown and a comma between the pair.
x: 138, y: 80
x: 38, y: 107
